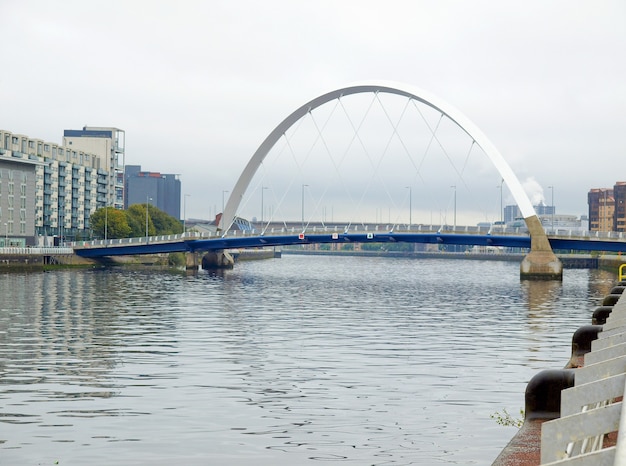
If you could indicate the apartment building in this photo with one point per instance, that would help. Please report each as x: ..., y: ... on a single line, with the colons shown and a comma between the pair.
x: 601, y: 209
x: 62, y: 185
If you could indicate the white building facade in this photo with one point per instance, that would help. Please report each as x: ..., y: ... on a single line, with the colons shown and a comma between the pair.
x: 69, y: 182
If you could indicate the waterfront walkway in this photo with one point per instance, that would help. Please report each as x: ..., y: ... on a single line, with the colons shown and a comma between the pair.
x: 574, y: 416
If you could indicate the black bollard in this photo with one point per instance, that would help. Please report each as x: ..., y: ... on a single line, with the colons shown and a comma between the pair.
x: 617, y: 289
x: 581, y: 343
x: 543, y: 393
x: 600, y: 314
x: 611, y: 299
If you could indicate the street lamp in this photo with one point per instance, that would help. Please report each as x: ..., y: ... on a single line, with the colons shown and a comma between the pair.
x: 410, y: 206
x: 6, y: 234
x: 148, y: 199
x: 263, y: 188
x: 303, y: 186
x: 106, y: 222
x: 552, y: 188
x: 501, y: 211
x: 454, y: 186
x: 185, y: 212
x: 223, y: 202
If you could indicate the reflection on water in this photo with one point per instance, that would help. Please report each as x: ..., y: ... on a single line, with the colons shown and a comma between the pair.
x: 302, y: 359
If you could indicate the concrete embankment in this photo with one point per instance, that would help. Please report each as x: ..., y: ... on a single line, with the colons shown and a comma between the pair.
x: 34, y: 262
x: 543, y: 396
x: 570, y: 261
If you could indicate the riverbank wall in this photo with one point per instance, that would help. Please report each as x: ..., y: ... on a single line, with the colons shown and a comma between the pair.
x: 570, y: 261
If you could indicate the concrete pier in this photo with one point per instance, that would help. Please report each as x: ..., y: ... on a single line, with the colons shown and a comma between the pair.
x: 217, y: 260
x: 541, y: 263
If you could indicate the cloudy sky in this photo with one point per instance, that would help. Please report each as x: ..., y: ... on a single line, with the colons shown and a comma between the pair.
x: 198, y: 85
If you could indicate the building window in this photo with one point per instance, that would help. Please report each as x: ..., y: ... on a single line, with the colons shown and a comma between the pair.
x: 46, y: 147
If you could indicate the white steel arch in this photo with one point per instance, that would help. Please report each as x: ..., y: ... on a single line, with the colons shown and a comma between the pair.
x: 412, y: 92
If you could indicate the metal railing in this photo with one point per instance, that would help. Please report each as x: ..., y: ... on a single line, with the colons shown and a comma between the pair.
x: 592, y: 409
x: 50, y: 251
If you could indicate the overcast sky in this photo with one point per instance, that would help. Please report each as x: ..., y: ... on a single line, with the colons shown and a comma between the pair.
x: 198, y: 85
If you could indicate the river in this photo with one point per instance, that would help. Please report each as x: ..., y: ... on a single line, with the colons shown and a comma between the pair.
x: 299, y: 360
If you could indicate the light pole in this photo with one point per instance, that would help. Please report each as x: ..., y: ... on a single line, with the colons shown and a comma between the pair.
x: 148, y: 199
x: 185, y: 213
x: 303, y: 186
x: 454, y: 187
x: 552, y: 188
x: 106, y: 222
x: 6, y: 234
x: 410, y: 206
x: 501, y: 211
x: 263, y: 188
x: 223, y: 201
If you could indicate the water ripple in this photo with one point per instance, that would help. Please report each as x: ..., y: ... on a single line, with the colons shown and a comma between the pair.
x: 303, y: 359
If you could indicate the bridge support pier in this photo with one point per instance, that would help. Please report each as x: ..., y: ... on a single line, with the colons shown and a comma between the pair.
x: 192, y: 261
x: 541, y: 263
x: 219, y: 259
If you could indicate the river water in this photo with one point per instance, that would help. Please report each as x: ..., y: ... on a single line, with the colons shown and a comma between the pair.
x: 299, y: 360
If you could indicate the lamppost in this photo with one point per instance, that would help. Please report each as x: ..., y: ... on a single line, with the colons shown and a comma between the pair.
x: 106, y: 222
x: 552, y: 188
x: 454, y: 187
x: 501, y: 211
x: 410, y: 206
x: 263, y: 188
x: 223, y: 201
x: 6, y: 234
x: 185, y: 212
x: 148, y: 199
x: 303, y: 186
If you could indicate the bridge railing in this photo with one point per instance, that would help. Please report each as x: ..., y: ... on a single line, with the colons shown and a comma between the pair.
x: 52, y: 251
x: 386, y: 228
x: 98, y: 243
x: 374, y: 228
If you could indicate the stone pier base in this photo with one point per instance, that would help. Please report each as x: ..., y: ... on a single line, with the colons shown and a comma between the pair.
x: 192, y: 261
x: 217, y: 260
x: 541, y: 263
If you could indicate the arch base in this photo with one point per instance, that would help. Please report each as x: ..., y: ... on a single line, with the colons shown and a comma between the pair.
x: 541, y: 265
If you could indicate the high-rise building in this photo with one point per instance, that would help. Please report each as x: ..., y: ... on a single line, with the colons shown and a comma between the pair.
x: 160, y: 190
x: 108, y: 144
x: 601, y: 209
x: 513, y: 213
x: 619, y: 196
x: 60, y: 186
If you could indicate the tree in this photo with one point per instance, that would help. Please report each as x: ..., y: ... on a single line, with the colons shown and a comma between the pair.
x: 136, y: 217
x: 111, y: 219
x: 159, y: 223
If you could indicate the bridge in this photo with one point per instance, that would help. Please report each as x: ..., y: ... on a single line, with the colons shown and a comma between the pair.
x: 439, y: 235
x: 440, y: 122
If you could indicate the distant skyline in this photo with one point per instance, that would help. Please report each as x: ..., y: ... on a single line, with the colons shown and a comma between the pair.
x: 197, y: 86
